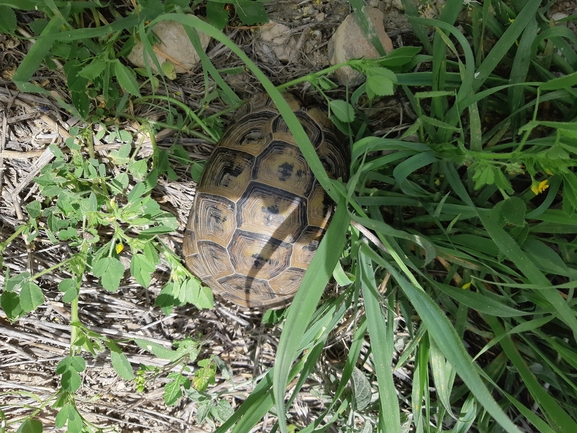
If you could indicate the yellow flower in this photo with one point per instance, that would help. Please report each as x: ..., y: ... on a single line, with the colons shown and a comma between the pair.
x: 119, y: 248
x: 539, y: 187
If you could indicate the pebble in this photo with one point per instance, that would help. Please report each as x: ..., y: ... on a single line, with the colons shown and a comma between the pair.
x: 276, y: 41
x: 349, y: 42
x: 174, y: 46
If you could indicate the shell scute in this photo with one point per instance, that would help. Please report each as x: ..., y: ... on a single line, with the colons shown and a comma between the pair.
x: 229, y: 173
x: 271, y: 211
x: 280, y: 130
x: 215, y: 217
x: 216, y: 260
x: 283, y: 166
x: 259, y: 256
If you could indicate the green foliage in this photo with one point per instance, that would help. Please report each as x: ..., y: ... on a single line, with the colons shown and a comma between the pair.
x: 7, y: 20
x: 98, y: 80
x: 69, y: 368
x: 209, y: 406
x: 184, y: 291
x: 251, y: 12
x: 30, y: 426
x: 186, y: 351
x: 195, y: 387
x: 119, y: 361
x: 486, y: 222
x: 82, y: 194
x: 86, y: 197
x: 68, y: 416
x: 20, y: 295
x: 172, y: 390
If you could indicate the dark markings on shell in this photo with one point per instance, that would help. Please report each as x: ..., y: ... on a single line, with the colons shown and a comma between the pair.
x: 259, y: 214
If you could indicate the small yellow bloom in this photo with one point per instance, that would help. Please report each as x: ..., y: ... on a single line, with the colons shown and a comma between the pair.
x: 119, y: 248
x: 539, y: 187
x: 466, y: 286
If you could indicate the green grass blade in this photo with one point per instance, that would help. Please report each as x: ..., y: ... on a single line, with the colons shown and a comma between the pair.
x: 325, y: 319
x: 364, y: 22
x: 86, y: 33
x: 410, y: 165
x: 386, y: 230
x: 552, y: 364
x: 419, y: 29
x: 420, y: 394
x: 261, y: 398
x: 565, y: 352
x: 477, y: 301
x: 557, y: 35
x: 207, y: 66
x: 519, y: 71
x: 256, y: 406
x: 443, y: 333
x: 548, y: 405
x: 252, y: 409
x: 466, y: 416
x: 449, y: 343
x: 382, y: 342
x: 523, y: 327
x: 305, y: 302
x: 509, y: 247
x: 440, y: 76
x: 505, y: 42
x: 542, y: 426
x: 443, y: 377
x: 352, y: 358
x: 35, y: 57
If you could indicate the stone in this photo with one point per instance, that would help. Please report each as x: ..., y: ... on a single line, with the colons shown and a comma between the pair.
x: 276, y: 43
x: 173, y: 46
x: 558, y: 16
x: 349, y: 42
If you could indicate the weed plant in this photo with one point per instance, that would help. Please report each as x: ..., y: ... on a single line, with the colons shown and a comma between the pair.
x: 461, y: 230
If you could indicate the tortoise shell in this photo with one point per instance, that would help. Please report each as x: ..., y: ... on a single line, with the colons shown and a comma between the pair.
x: 259, y: 214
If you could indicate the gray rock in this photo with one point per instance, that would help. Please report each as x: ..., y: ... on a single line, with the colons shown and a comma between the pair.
x: 349, y: 42
x: 276, y: 43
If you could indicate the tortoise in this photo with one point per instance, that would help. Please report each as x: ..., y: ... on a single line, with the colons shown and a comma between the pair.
x: 259, y: 214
